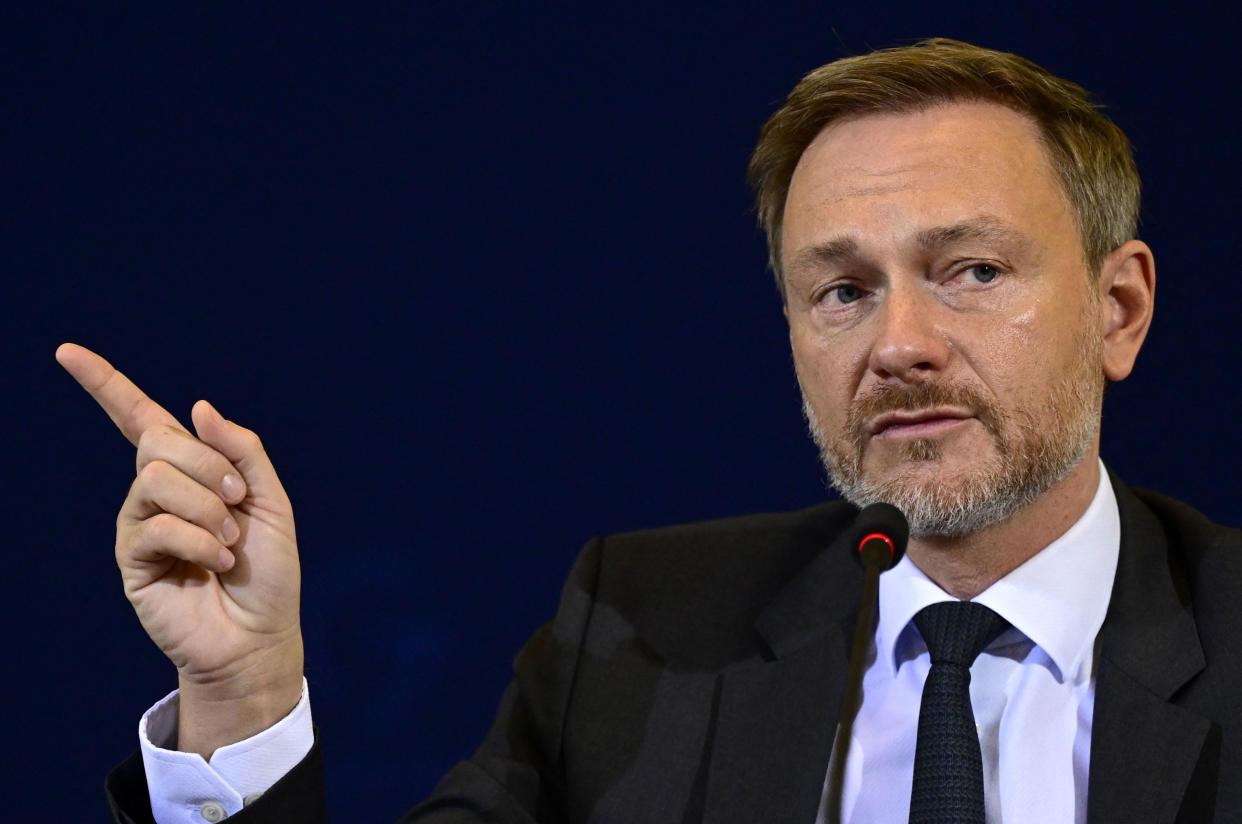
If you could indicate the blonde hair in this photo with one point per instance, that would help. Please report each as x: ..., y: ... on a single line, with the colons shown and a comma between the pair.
x: 1090, y: 154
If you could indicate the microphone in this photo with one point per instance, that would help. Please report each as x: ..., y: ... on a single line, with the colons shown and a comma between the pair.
x: 878, y: 537
x: 879, y: 534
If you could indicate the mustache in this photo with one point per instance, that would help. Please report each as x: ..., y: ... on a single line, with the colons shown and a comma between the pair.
x: 889, y: 398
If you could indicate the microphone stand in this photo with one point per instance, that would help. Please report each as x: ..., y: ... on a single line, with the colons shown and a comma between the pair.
x: 853, y: 685
x: 884, y: 532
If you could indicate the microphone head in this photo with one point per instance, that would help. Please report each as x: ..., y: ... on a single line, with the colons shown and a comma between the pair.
x: 879, y: 535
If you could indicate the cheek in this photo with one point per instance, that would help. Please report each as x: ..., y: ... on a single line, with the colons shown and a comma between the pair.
x: 1015, y: 348
x: 1022, y: 353
x: 1011, y: 331
x: 1019, y: 331
x: 825, y: 375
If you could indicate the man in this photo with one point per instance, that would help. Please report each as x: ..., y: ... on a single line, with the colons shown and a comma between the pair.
x: 952, y: 230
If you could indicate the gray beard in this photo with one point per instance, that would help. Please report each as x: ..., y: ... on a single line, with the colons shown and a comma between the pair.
x: 1031, y: 460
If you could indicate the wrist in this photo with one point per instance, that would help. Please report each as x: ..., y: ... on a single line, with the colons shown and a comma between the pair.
x: 219, y: 709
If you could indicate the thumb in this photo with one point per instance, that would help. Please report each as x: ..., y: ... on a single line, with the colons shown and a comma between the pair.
x: 244, y: 450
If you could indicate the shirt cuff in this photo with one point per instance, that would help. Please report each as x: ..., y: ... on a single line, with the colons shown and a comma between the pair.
x: 186, y: 789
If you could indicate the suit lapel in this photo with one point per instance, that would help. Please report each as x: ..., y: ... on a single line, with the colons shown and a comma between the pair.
x: 777, y: 717
x: 1143, y: 748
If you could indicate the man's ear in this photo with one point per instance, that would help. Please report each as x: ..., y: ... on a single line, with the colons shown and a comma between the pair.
x: 1127, y: 289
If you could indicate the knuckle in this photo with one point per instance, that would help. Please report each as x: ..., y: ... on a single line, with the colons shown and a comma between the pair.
x: 164, y: 534
x: 153, y: 474
x: 124, y: 544
x: 161, y: 528
x: 146, y: 447
x: 251, y: 440
x: 155, y: 442
x: 147, y: 438
x: 156, y: 436
x: 123, y: 516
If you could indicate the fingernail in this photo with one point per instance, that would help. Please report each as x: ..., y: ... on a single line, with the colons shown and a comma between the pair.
x: 230, y: 530
x: 226, y: 560
x: 232, y: 487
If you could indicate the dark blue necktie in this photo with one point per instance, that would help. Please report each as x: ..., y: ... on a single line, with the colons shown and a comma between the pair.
x: 948, y: 767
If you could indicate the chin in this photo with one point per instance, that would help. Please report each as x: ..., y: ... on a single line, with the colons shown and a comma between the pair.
x: 945, y: 501
x: 935, y: 505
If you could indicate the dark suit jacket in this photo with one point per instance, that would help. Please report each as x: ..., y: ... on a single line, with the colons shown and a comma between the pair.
x: 695, y: 673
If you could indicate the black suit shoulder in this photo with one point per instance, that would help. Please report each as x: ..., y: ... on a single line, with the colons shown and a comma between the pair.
x: 646, y: 622
x: 692, y: 592
x: 1167, y: 733
x: 1205, y: 566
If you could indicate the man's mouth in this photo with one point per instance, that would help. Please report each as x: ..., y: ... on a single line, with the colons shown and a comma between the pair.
x: 917, y: 423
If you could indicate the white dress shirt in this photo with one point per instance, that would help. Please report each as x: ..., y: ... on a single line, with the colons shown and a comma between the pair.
x: 185, y: 788
x: 1032, y: 689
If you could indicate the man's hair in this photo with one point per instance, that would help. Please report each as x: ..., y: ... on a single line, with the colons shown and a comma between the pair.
x: 1089, y: 152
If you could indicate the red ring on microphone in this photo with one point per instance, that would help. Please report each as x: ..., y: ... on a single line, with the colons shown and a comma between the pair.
x: 892, y: 550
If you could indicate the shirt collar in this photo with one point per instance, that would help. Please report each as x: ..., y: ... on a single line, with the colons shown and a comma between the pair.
x: 1057, y: 599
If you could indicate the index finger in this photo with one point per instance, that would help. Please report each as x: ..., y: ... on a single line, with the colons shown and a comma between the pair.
x: 127, y: 405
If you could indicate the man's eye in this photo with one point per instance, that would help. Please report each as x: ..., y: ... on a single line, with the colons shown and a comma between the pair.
x: 983, y: 273
x: 845, y: 293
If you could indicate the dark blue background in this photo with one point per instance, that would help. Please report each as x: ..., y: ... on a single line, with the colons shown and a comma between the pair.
x: 484, y: 276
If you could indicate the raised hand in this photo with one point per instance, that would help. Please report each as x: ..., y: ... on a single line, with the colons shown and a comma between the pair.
x: 208, y: 557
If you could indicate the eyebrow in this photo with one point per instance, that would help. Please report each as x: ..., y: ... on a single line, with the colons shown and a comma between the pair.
x: 830, y: 251
x: 985, y: 229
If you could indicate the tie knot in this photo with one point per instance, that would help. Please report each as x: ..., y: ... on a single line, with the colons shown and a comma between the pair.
x: 957, y: 631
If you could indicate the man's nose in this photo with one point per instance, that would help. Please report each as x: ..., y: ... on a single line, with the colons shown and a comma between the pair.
x: 910, y: 344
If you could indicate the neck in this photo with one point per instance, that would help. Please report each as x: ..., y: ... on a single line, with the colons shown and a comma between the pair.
x: 966, y: 565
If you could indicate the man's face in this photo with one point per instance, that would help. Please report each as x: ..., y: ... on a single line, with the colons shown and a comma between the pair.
x: 945, y: 332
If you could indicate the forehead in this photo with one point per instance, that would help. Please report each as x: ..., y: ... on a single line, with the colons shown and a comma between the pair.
x: 898, y: 174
